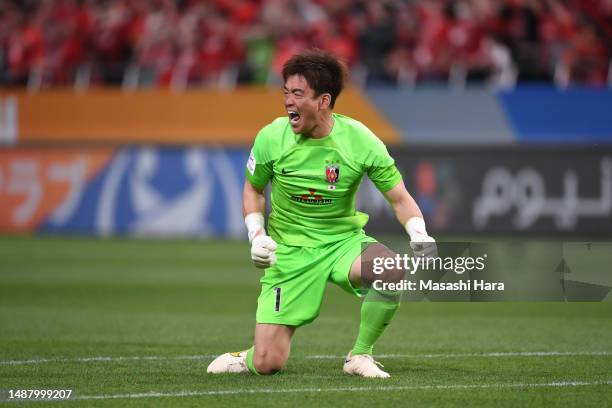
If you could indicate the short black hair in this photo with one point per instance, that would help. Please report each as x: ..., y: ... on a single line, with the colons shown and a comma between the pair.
x: 324, y: 71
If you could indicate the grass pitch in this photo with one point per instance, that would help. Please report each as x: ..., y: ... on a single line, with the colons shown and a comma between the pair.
x: 134, y: 323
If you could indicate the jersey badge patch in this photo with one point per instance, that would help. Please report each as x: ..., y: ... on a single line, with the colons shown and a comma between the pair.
x: 251, y: 163
x: 332, y: 173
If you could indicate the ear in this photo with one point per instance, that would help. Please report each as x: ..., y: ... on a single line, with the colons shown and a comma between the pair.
x: 325, y: 101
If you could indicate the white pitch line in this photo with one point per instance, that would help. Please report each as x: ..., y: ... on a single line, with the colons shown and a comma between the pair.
x: 337, y: 389
x: 313, y: 357
x: 495, y: 354
x: 102, y: 358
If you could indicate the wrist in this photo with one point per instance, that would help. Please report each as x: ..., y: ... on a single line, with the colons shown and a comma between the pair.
x: 415, y: 227
x: 255, y: 224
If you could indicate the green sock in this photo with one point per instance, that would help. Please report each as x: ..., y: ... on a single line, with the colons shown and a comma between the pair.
x: 377, y: 310
x: 249, y: 361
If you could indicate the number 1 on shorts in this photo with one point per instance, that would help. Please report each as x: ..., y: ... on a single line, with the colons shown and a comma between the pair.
x: 278, y: 299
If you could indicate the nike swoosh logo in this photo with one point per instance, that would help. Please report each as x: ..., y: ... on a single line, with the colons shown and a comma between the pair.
x: 285, y: 171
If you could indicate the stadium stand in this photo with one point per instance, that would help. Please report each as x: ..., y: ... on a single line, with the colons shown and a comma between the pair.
x: 221, y: 43
x: 130, y: 153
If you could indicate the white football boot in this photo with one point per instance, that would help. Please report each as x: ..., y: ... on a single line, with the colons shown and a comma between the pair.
x: 364, y: 365
x: 229, y: 363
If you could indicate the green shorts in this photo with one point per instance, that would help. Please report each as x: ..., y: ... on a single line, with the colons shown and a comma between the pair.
x: 292, y: 290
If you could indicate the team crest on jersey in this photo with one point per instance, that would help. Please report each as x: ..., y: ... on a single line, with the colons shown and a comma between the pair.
x: 332, y: 173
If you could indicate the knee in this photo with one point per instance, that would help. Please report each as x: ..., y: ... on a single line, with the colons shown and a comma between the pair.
x: 394, y: 275
x: 269, y: 362
x: 387, y: 290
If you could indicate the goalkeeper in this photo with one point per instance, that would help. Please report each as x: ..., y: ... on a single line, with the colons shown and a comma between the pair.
x: 315, y: 160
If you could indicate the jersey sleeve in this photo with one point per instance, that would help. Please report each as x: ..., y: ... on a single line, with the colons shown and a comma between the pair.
x: 380, y: 166
x: 259, y: 164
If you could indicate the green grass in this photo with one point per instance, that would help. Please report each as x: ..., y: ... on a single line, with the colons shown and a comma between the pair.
x: 69, y: 299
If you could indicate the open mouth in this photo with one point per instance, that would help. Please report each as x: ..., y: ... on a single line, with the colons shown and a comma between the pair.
x: 294, y: 117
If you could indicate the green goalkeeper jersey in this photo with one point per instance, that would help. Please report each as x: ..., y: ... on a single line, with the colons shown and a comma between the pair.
x: 315, y: 181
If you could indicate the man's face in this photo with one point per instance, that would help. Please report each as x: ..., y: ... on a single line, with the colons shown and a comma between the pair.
x: 303, y: 107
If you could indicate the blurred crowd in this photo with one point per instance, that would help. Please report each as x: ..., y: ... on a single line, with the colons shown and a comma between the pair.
x: 182, y: 43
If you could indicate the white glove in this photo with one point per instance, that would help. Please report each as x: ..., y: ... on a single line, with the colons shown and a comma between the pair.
x: 263, y: 248
x: 420, y: 242
x: 425, y: 246
x: 263, y: 251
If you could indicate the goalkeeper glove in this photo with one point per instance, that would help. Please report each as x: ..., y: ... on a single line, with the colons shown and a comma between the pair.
x: 421, y: 243
x: 263, y: 248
